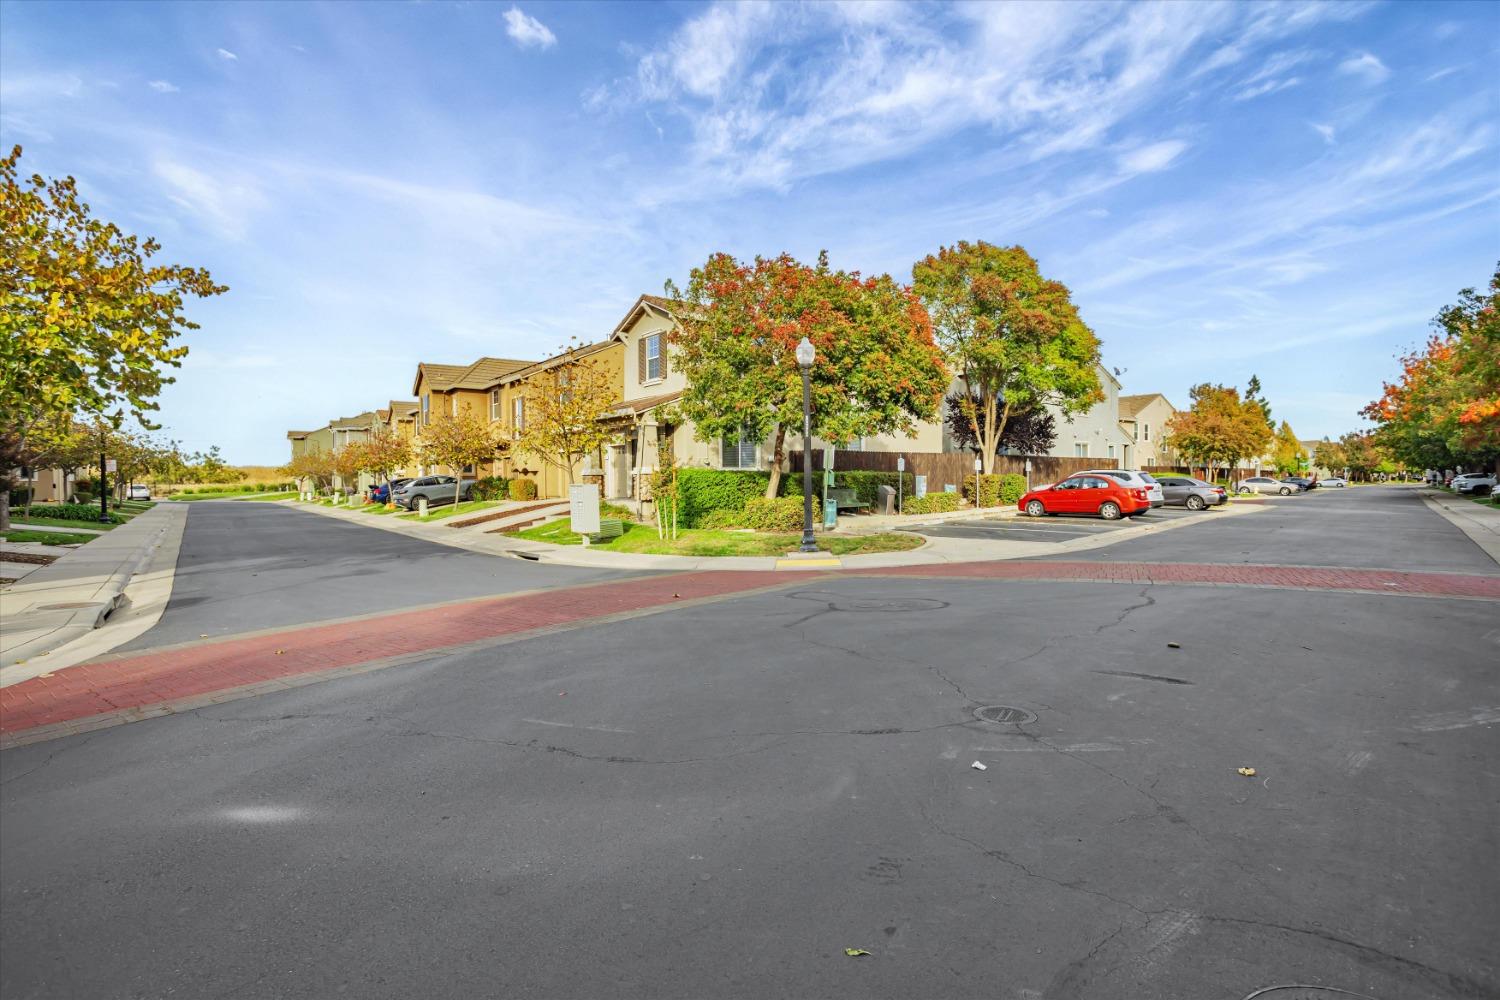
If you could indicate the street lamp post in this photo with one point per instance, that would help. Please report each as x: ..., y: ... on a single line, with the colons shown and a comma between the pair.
x: 805, y: 357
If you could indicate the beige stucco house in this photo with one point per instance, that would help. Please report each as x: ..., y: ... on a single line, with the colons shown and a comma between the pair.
x: 1144, y: 418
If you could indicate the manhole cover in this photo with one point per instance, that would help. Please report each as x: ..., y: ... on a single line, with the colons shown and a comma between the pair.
x: 892, y: 606
x: 1004, y: 714
x: 69, y: 606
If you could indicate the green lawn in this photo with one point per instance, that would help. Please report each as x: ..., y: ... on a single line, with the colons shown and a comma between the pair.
x: 267, y: 496
x: 467, y: 507
x: 700, y: 542
x: 59, y: 522
x: 48, y: 537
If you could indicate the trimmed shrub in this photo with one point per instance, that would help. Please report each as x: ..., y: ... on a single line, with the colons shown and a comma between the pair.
x: 490, y: 488
x: 722, y: 520
x: 996, y: 489
x: 522, y: 489
x: 71, y: 512
x: 932, y: 503
x: 700, y: 492
x: 780, y: 514
x: 18, y: 497
x: 614, y: 510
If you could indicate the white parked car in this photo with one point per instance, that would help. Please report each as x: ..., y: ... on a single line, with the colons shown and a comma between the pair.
x: 1475, y: 482
x: 1333, y: 481
x: 1265, y: 484
x: 138, y: 491
x: 1132, y: 478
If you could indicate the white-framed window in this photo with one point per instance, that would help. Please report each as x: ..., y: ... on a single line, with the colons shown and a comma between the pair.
x: 1081, y: 449
x: 653, y: 357
x: 857, y: 444
x: 1146, y: 430
x: 737, y: 451
x: 518, y: 414
x: 1111, y: 452
x: 426, y: 408
x: 564, y: 385
x: 494, y: 405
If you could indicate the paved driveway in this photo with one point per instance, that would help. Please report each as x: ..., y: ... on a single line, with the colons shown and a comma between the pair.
x: 1057, y: 528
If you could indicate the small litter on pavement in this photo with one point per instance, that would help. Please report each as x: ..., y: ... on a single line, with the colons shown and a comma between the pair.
x: 1248, y: 772
x: 1174, y: 645
x: 978, y: 766
x: 855, y: 952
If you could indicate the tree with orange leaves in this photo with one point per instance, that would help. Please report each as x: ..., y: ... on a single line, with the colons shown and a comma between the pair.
x: 1444, y: 411
x: 878, y: 370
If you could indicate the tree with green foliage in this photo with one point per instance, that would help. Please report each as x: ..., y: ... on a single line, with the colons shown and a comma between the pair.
x: 384, y: 452
x: 1444, y: 410
x: 458, y: 441
x: 565, y: 409
x: 1014, y: 337
x: 877, y: 370
x: 87, y: 318
x: 1219, y: 429
x: 1330, y: 455
x: 1286, y: 450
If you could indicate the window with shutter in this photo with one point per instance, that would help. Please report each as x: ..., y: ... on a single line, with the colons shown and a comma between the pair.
x: 640, y: 367
x: 653, y: 357
x: 737, y: 451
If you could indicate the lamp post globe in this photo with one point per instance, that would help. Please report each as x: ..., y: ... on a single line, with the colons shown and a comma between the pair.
x: 806, y: 355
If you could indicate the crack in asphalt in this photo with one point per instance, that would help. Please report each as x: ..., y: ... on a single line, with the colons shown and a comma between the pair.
x: 1146, y: 602
x: 45, y: 762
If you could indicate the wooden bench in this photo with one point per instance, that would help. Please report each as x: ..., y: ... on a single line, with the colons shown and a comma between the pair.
x: 609, y: 527
x: 843, y: 498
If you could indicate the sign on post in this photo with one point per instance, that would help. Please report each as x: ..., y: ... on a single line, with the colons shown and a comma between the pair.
x: 110, y: 465
x: 583, y: 508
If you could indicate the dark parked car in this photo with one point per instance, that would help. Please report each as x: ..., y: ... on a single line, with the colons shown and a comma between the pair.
x: 381, y: 492
x: 1194, y: 494
x: 1301, y: 481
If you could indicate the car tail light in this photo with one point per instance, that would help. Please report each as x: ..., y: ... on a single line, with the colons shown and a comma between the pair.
x: 1140, y: 494
x: 1219, y: 490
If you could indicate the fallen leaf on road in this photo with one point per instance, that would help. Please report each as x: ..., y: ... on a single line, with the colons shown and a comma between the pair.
x: 978, y: 766
x: 1248, y: 772
x: 855, y: 952
x: 280, y: 651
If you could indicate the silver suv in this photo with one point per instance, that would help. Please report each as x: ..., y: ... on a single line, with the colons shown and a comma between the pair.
x: 1133, y: 479
x: 436, y: 490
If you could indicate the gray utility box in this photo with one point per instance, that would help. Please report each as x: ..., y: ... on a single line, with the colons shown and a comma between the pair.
x: 885, y: 499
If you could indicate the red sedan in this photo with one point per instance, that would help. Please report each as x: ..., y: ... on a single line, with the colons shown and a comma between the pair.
x: 1085, y: 494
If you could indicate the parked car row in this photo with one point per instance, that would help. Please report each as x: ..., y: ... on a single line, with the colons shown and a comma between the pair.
x: 1477, y: 483
x: 1116, y: 493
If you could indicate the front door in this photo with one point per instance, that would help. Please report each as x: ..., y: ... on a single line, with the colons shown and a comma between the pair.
x: 619, y: 471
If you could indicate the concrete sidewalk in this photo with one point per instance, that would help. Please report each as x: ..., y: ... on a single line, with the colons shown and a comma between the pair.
x: 1480, y: 523
x: 934, y: 551
x: 70, y: 598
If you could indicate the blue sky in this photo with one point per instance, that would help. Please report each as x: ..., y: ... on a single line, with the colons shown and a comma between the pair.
x: 1286, y: 190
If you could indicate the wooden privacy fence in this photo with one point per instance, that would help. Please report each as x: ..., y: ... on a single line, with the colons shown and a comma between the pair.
x: 942, y: 468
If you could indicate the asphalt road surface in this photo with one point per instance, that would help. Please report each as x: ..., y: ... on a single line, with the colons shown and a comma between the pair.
x: 246, y: 566
x: 1057, y: 528
x: 717, y: 800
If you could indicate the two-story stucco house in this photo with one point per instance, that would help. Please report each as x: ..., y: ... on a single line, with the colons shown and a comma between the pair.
x: 1144, y: 417
x: 450, y: 390
x: 1096, y: 433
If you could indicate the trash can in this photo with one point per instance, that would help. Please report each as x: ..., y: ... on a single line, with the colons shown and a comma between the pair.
x: 885, y: 499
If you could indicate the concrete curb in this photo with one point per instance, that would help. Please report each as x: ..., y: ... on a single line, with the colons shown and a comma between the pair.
x: 37, y: 616
x: 1480, y: 525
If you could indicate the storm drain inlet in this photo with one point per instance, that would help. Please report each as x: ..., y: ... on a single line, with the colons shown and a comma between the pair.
x: 1004, y: 715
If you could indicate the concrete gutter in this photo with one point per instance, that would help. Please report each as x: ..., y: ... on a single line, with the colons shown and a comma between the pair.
x: 60, y: 603
x: 932, y: 551
x: 1481, y: 524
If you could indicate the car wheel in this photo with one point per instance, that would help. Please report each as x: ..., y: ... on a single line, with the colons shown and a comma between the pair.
x: 1195, y: 502
x: 1036, y: 509
x: 1109, y: 510
x: 414, y: 501
x: 1246, y: 490
x: 1286, y: 491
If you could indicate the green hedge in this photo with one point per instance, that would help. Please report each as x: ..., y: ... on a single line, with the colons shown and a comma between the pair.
x: 490, y: 488
x: 865, y: 484
x: 700, y: 492
x: 522, y: 489
x: 996, y: 489
x: 783, y: 514
x: 71, y: 512
x: 932, y: 503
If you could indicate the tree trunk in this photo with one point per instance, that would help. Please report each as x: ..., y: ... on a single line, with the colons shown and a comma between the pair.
x: 778, y: 454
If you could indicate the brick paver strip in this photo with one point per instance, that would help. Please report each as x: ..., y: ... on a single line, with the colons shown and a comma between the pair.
x: 168, y: 675
x: 181, y: 674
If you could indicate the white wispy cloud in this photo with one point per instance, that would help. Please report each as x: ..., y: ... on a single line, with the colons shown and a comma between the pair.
x: 225, y: 54
x: 1367, y: 66
x: 1149, y: 159
x: 163, y: 87
x: 1326, y: 131
x: 226, y: 202
x: 527, y: 31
